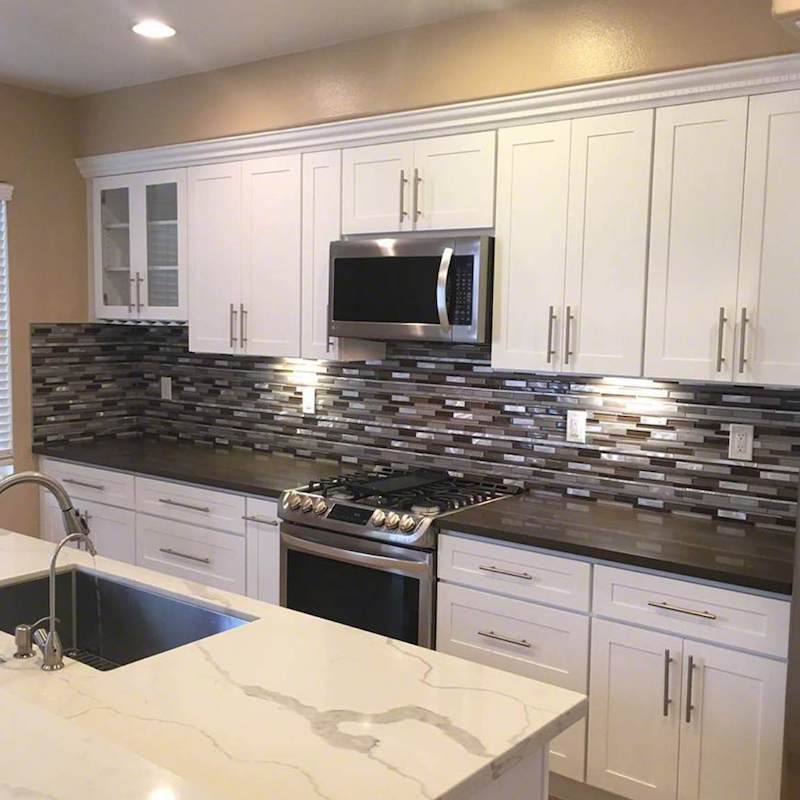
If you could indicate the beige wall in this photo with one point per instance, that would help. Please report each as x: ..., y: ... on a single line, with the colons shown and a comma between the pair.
x: 540, y: 44
x: 47, y: 251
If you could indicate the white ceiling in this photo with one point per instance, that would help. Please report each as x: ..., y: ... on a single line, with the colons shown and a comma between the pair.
x: 78, y: 47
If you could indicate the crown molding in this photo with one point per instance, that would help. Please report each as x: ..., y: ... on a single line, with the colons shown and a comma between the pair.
x: 6, y: 191
x: 647, y: 91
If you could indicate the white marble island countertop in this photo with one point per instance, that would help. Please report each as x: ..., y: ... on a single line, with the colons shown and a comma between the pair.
x: 287, y: 706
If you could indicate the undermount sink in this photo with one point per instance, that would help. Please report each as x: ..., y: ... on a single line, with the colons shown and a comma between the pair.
x: 107, y: 623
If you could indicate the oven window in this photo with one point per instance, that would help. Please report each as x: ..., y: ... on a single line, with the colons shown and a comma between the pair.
x: 370, y: 599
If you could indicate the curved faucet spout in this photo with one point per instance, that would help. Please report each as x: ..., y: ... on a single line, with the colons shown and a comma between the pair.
x: 55, y: 488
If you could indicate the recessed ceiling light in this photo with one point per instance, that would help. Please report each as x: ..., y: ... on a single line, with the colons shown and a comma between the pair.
x: 153, y: 29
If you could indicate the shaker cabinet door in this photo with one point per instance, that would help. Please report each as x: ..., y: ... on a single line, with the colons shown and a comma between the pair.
x: 698, y: 171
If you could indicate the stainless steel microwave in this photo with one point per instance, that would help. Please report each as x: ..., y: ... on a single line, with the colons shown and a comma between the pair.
x: 425, y: 288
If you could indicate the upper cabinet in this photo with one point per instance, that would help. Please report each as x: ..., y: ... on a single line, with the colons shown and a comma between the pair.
x: 698, y: 174
x: 571, y: 250
x: 445, y: 183
x: 139, y: 247
x: 244, y: 252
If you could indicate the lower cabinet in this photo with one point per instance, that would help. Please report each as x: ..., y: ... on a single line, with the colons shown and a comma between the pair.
x: 543, y: 643
x: 263, y: 550
x: 113, y: 530
x: 673, y: 718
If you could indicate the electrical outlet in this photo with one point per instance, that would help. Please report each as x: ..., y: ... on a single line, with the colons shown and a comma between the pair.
x: 740, y: 444
x: 309, y: 399
x: 166, y: 387
x: 576, y: 426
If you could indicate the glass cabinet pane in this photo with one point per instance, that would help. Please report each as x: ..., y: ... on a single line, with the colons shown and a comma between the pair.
x: 116, y: 246
x: 162, y: 245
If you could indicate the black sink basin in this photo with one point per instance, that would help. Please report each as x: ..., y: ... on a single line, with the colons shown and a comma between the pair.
x: 106, y: 623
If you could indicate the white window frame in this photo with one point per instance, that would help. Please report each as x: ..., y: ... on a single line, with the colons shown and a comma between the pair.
x: 6, y: 193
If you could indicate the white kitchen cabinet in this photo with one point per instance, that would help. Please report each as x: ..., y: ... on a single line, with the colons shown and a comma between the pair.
x: 571, y: 249
x: 139, y: 246
x: 731, y: 725
x: 215, y: 257
x: 113, y: 530
x: 768, y: 324
x: 634, y: 710
x: 696, y: 215
x: 263, y: 549
x: 530, y: 246
x: 441, y: 183
x: 322, y: 196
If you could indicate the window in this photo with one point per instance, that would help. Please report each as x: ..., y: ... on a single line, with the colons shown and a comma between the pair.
x: 5, y: 347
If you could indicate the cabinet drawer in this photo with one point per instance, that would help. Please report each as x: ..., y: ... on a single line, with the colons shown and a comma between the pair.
x: 192, y: 504
x: 543, y: 643
x: 211, y: 557
x: 726, y: 616
x: 516, y: 572
x: 91, y: 483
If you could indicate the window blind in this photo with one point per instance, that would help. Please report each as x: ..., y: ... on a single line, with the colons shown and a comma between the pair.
x: 5, y: 351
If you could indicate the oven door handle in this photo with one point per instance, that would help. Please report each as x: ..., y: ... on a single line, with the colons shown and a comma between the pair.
x: 404, y: 566
x: 441, y: 288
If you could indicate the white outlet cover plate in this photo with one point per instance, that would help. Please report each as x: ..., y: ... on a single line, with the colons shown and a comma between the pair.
x: 576, y: 426
x: 740, y: 444
x: 309, y: 399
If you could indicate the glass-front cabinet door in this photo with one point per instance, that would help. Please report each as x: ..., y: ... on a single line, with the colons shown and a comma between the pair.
x: 140, y: 246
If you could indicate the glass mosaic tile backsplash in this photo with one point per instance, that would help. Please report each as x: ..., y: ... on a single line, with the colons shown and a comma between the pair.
x: 652, y: 444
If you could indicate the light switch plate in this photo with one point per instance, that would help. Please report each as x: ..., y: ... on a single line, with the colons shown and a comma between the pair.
x: 309, y: 400
x: 166, y: 387
x: 740, y: 444
x: 576, y: 426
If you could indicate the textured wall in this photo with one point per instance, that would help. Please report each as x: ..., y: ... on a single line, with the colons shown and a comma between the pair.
x: 655, y: 444
x: 532, y: 46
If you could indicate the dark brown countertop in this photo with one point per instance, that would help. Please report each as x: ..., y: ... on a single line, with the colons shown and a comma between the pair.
x: 727, y: 552
x: 245, y: 471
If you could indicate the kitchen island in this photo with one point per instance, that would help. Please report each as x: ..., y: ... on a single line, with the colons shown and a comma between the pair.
x: 285, y: 706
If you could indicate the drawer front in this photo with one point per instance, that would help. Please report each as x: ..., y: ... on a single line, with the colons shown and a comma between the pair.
x: 191, y: 504
x: 543, y: 643
x: 725, y: 616
x: 515, y: 571
x: 186, y: 551
x: 263, y: 549
x: 91, y: 483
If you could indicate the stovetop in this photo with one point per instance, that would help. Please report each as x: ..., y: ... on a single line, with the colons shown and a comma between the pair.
x: 390, y: 505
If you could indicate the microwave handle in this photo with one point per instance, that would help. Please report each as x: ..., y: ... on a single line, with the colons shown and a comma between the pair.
x: 441, y: 288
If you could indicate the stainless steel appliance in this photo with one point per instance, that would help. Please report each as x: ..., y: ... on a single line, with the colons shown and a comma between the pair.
x: 360, y: 549
x: 419, y: 287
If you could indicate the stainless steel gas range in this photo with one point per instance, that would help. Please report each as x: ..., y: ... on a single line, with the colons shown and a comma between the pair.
x: 360, y: 549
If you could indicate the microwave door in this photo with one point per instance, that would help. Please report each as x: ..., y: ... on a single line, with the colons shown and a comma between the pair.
x: 390, y: 291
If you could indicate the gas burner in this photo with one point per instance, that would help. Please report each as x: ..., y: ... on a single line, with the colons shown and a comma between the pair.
x: 426, y: 510
x: 340, y: 493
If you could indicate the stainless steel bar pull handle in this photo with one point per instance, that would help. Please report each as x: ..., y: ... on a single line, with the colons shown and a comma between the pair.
x: 260, y: 520
x: 743, y: 348
x: 568, y: 334
x: 170, y: 552
x: 139, y: 280
x: 441, y: 288
x: 720, y: 338
x: 690, y: 690
x: 508, y: 639
x: 403, y: 182
x: 678, y: 609
x: 417, y: 182
x: 98, y: 486
x: 667, y: 700
x: 130, y: 294
x: 497, y: 571
x: 242, y: 324
x: 233, y: 325
x: 551, y: 318
x: 169, y: 502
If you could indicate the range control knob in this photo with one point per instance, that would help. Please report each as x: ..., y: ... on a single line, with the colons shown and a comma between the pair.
x: 378, y: 518
x: 295, y: 501
x: 308, y: 504
x: 392, y: 520
x: 320, y: 507
x: 407, y: 523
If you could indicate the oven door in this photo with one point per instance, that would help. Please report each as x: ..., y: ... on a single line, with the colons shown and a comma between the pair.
x: 377, y: 587
x: 409, y: 288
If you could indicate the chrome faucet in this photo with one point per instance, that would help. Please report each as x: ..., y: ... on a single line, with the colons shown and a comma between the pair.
x: 49, y: 642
